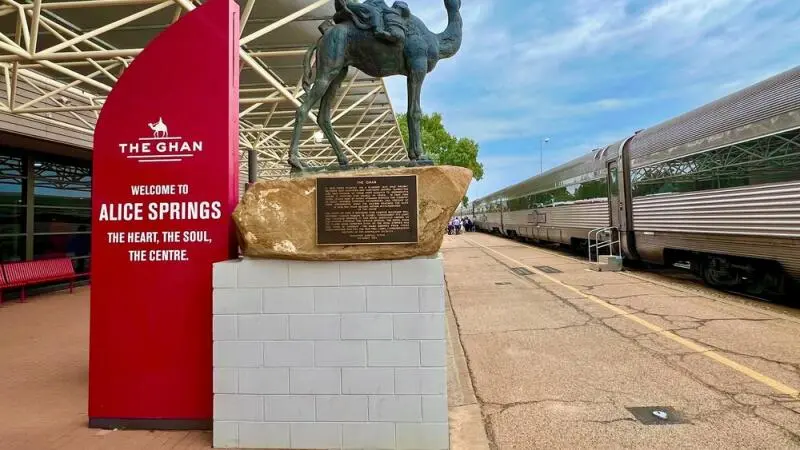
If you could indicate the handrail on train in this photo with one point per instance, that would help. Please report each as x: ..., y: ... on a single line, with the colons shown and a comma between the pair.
x: 608, y: 243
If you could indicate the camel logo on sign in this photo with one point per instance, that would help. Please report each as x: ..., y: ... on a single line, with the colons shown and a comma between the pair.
x: 160, y: 147
x: 159, y: 128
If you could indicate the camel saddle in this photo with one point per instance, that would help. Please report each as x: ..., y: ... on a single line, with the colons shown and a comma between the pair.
x: 387, y: 24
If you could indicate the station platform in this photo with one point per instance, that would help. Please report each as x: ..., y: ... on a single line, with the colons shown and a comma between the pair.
x: 543, y: 353
x: 563, y: 356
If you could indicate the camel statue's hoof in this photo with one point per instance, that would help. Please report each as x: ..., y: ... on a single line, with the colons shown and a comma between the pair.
x: 296, y: 164
x: 419, y: 160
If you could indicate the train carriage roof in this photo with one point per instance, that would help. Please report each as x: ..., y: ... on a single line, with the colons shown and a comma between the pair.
x: 768, y: 107
x: 586, y: 167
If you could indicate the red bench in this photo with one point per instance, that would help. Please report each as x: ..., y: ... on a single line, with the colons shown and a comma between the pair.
x: 3, y: 284
x: 26, y: 273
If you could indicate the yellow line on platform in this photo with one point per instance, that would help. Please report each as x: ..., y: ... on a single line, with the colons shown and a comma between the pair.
x: 761, y: 378
x: 776, y: 314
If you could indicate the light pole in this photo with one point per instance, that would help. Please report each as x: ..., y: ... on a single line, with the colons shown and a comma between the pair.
x: 541, y: 153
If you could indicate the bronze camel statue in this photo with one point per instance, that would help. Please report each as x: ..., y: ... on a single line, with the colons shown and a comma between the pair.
x: 404, y: 47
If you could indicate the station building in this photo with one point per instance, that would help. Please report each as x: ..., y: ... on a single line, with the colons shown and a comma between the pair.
x: 60, y: 59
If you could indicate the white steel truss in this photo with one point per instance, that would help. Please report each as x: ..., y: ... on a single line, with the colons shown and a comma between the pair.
x: 59, y: 60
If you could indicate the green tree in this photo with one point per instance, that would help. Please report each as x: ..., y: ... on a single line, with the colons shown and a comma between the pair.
x: 444, y: 148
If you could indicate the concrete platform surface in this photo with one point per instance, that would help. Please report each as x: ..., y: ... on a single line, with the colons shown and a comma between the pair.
x: 558, y: 358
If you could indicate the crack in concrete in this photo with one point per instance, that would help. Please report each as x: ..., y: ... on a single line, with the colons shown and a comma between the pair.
x: 654, y: 333
x: 487, y: 424
x: 737, y: 405
x: 686, y: 371
x: 783, y: 364
x: 606, y: 422
x: 791, y: 434
x: 713, y: 319
x: 671, y: 318
x: 503, y: 407
x: 591, y: 288
x: 708, y: 416
x: 700, y: 323
x: 665, y: 358
x: 659, y: 345
x: 658, y: 355
x: 564, y: 327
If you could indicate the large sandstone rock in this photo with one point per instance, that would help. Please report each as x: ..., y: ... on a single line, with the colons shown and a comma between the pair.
x: 276, y: 218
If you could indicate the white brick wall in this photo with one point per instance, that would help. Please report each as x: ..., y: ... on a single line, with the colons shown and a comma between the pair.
x: 314, y: 326
x: 330, y: 354
x: 287, y: 301
x: 263, y: 381
x: 433, y: 353
x: 367, y: 326
x: 368, y: 435
x: 288, y: 354
x: 367, y: 381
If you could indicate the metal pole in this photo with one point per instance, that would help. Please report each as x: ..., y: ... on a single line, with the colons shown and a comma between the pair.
x: 252, y: 166
x: 542, y: 141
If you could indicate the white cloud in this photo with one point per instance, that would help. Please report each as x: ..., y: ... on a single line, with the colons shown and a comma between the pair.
x: 514, y: 77
x: 598, y: 69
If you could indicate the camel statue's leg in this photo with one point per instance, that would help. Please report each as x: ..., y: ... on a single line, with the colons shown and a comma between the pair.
x: 323, y: 80
x: 416, y: 76
x: 324, y: 118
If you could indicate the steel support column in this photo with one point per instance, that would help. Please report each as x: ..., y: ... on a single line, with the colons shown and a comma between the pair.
x: 252, y: 166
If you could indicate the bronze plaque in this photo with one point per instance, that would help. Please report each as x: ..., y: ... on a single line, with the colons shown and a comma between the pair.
x: 367, y: 210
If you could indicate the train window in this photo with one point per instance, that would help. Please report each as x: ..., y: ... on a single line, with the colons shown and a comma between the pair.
x: 771, y: 159
x: 614, y: 175
x: 496, y: 206
x: 588, y: 190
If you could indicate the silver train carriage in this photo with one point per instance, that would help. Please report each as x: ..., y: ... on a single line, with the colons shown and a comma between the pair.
x: 717, y: 188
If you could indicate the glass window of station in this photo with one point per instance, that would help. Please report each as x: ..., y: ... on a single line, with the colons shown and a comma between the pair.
x: 45, y: 208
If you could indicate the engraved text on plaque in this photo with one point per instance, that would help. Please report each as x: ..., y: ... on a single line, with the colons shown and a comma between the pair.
x: 367, y: 210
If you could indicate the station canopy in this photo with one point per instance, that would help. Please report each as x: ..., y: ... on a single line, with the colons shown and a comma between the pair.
x: 59, y: 60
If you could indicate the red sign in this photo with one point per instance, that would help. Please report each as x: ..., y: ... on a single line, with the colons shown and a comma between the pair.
x: 165, y: 183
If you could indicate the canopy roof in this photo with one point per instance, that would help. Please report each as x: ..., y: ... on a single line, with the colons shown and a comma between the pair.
x: 59, y: 59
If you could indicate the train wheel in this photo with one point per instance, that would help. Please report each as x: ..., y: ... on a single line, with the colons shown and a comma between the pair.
x: 718, y: 273
x: 770, y: 282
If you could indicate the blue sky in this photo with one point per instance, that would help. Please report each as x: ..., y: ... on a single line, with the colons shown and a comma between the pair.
x: 586, y: 73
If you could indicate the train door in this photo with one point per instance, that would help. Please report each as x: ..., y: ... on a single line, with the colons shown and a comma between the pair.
x: 624, y: 213
x: 614, y: 205
x: 502, y: 219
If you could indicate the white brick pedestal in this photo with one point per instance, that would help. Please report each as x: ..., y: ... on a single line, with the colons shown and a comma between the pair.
x: 328, y: 355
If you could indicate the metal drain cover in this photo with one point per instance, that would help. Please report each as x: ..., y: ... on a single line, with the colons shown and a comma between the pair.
x: 657, y: 415
x: 503, y: 283
x: 548, y: 269
x: 521, y: 271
